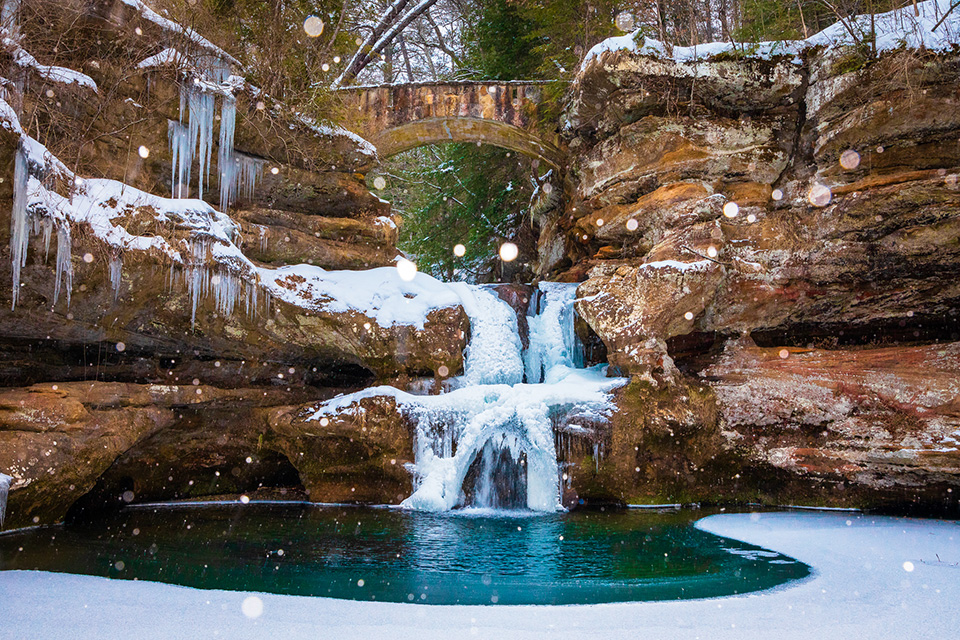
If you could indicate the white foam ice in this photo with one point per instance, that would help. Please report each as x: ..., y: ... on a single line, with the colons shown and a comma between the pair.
x: 494, y: 353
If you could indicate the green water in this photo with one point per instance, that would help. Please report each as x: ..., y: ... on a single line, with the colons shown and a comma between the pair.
x: 399, y: 556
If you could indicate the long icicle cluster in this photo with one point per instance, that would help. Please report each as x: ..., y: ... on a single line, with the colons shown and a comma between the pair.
x: 238, y: 173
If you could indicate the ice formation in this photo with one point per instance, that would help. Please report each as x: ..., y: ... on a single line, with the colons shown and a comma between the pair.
x: 202, y: 105
x: 181, y: 145
x: 225, y: 157
x: 554, y: 348
x: 491, y: 425
x: 19, y: 229
x: 5, y: 481
x: 64, y: 267
x: 494, y: 353
x: 238, y: 173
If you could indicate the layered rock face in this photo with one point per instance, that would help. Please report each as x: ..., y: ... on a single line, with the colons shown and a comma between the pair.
x: 797, y: 201
x: 157, y: 345
x: 79, y: 447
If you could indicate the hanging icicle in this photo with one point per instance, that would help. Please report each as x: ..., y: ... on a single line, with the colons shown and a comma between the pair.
x: 248, y: 174
x: 5, y: 482
x: 181, y: 145
x: 225, y: 157
x: 202, y: 106
x: 238, y: 174
x: 19, y: 229
x: 64, y: 264
x: 115, y: 269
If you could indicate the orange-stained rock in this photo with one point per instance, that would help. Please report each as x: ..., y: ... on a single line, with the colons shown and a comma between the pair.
x: 636, y: 308
x: 79, y: 447
x: 869, y: 427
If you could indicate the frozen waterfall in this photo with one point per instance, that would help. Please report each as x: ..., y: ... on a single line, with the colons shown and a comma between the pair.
x: 489, y: 443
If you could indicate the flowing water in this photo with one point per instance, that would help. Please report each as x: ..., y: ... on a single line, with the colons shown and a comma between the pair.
x: 394, y: 555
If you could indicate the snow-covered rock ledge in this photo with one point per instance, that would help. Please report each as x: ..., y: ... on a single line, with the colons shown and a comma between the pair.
x: 137, y: 250
x: 629, y: 76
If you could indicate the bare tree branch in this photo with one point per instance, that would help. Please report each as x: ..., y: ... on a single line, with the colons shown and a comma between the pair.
x: 388, y: 33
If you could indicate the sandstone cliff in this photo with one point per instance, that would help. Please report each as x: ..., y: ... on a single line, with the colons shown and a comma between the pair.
x: 808, y: 200
x: 148, y: 338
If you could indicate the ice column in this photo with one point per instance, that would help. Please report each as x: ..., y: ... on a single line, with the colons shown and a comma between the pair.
x: 554, y: 348
x: 19, y: 229
x: 64, y: 264
x: 5, y: 481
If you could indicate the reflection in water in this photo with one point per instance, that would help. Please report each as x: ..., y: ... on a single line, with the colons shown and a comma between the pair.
x: 465, y: 557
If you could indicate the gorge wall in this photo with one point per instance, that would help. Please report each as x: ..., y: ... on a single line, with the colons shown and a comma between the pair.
x: 771, y: 248
x: 800, y: 347
x: 158, y: 346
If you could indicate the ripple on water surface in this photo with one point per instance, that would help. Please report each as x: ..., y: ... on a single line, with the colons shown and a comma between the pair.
x: 400, y: 556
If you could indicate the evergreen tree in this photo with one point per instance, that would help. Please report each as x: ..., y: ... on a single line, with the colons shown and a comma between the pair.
x: 499, y: 43
x: 459, y: 194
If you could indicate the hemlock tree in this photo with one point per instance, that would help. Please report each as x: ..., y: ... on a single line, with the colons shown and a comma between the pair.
x: 459, y: 194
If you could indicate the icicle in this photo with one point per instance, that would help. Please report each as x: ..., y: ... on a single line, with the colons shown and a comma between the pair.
x: 182, y: 146
x: 225, y: 158
x: 201, y: 130
x: 19, y: 231
x: 5, y: 481
x: 264, y: 240
x: 215, y: 69
x: 252, y: 293
x: 64, y: 263
x: 227, y: 290
x: 249, y: 170
x: 46, y: 225
x: 115, y: 269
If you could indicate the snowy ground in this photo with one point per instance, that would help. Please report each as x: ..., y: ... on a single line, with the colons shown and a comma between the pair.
x: 874, y: 578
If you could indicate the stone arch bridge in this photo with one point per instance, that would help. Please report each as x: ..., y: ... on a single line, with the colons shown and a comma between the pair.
x: 397, y: 118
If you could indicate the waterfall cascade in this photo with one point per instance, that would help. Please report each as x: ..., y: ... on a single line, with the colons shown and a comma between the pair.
x: 489, y: 442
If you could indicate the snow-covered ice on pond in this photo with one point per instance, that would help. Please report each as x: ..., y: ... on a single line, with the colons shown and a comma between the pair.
x: 860, y: 589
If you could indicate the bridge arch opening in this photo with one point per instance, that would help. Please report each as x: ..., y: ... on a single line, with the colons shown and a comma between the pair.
x: 441, y: 130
